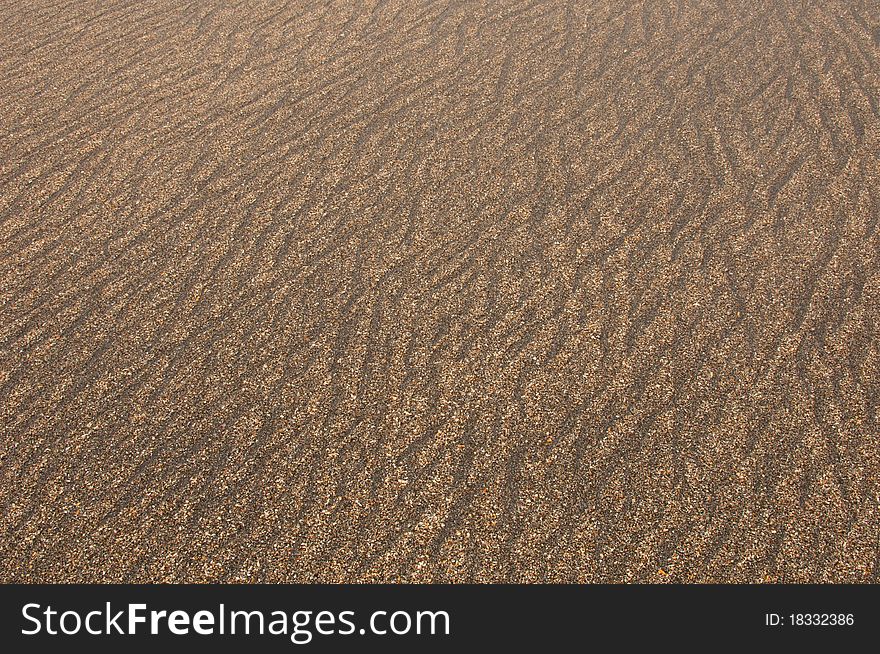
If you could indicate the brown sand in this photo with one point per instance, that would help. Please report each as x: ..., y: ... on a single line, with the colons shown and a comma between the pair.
x: 440, y: 291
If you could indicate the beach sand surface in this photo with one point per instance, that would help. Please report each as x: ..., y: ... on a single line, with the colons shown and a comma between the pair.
x: 440, y: 291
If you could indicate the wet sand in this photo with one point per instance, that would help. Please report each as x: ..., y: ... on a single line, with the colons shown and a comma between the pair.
x: 440, y: 291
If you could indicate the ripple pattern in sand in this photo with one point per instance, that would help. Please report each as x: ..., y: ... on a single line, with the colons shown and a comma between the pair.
x: 527, y: 290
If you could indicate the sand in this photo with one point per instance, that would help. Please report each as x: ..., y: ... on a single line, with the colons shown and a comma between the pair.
x: 440, y: 291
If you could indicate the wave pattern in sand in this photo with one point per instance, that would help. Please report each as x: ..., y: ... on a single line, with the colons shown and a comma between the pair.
x: 440, y: 290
